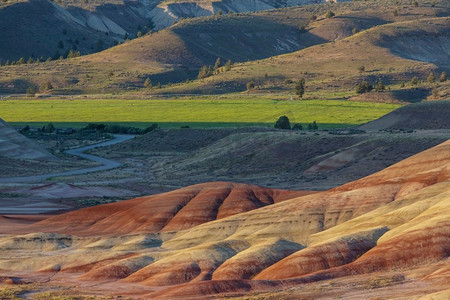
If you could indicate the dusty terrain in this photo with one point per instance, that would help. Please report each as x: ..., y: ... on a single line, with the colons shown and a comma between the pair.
x: 385, y: 235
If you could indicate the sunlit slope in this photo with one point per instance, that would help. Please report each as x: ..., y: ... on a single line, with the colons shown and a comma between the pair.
x: 176, y: 53
x: 172, y: 211
x: 394, y: 219
x: 392, y: 53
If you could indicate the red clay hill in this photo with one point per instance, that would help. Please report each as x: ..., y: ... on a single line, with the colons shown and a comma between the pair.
x: 386, y: 235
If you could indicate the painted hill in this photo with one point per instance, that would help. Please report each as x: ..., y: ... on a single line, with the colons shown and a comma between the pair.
x: 394, y: 222
x: 15, y: 145
x: 172, y: 211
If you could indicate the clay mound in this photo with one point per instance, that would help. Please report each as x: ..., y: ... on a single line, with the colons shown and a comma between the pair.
x: 426, y: 115
x: 15, y: 145
x: 172, y: 211
x: 392, y: 221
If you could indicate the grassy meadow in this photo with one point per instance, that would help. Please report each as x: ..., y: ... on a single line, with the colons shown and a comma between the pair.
x: 193, y: 113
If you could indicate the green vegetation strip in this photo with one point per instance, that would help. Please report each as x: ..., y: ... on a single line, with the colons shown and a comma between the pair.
x: 199, y: 113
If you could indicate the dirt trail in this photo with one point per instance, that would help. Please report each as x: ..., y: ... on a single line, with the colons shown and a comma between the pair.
x: 107, y: 164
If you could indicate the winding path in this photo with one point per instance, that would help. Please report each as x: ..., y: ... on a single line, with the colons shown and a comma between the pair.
x: 107, y: 164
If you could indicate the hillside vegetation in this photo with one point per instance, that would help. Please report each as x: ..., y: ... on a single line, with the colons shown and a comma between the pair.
x: 34, y: 28
x: 174, y: 55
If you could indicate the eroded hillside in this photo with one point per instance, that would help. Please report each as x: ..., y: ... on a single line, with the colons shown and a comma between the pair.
x: 394, y: 222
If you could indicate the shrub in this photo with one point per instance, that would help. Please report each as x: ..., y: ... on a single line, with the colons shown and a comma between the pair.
x: 297, y: 126
x: 330, y: 14
x: 395, y: 12
x: 443, y: 77
x: 363, y: 87
x: 250, y: 85
x: 283, y: 123
x: 46, y: 86
x: 49, y: 128
x: 431, y: 78
x: 361, y: 69
x: 31, y: 91
x: 313, y: 126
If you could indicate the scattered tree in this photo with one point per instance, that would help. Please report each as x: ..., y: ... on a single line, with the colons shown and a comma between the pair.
x: 204, y: 72
x: 283, y: 123
x: 431, y: 78
x: 300, y: 88
x: 139, y: 34
x: 363, y: 87
x: 443, y: 77
x: 313, y: 18
x: 302, y: 28
x: 361, y: 69
x: 354, y: 30
x: 250, y: 85
x: 395, y: 12
x: 416, y: 3
x: 217, y: 64
x: 21, y: 61
x: 148, y: 83
x: 379, y: 87
x: 228, y: 65
x: 219, y: 12
x: 414, y: 81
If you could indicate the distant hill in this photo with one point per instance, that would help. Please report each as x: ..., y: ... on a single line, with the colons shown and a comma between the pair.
x: 34, y: 28
x: 425, y: 115
x: 361, y: 34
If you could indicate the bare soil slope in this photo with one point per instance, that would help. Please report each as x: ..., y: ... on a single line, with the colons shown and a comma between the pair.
x: 172, y: 211
x: 394, y: 222
x: 426, y: 115
x: 15, y: 145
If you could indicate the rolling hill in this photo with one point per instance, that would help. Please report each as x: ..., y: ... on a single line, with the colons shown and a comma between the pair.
x: 176, y: 53
x: 394, y: 223
x: 34, y: 28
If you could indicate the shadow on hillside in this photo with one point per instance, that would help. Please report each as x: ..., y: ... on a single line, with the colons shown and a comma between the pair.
x: 242, y: 39
x: 412, y: 95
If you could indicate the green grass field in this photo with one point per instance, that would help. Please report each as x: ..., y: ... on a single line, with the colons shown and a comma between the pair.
x: 195, y: 113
